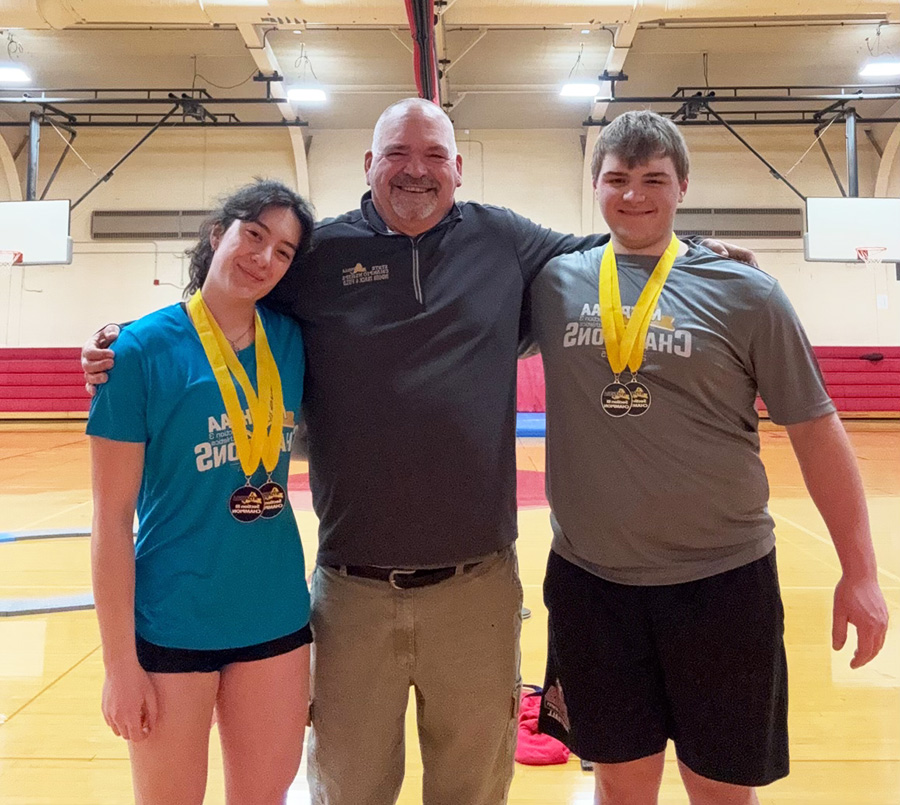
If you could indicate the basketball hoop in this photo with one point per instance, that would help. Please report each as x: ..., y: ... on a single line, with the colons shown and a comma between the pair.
x: 870, y: 255
x: 8, y: 259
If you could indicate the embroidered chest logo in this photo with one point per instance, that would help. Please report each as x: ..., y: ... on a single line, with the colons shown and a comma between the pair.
x: 359, y: 274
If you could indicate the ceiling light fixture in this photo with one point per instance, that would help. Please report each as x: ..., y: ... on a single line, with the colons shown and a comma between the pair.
x: 579, y: 88
x: 307, y: 89
x: 881, y: 68
x: 13, y: 75
x: 307, y: 95
x: 576, y: 89
x: 881, y: 65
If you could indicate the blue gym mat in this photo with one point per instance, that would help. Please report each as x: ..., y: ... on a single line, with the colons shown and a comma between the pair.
x: 531, y: 424
x: 11, y: 607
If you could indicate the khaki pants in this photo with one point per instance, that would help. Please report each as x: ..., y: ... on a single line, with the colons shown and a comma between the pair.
x: 457, y: 644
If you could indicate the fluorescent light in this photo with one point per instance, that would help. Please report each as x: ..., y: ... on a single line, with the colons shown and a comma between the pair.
x: 586, y: 31
x: 881, y: 69
x: 14, y: 75
x: 579, y: 90
x: 307, y: 95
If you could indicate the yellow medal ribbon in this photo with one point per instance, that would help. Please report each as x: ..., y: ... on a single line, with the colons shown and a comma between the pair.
x: 266, y: 407
x: 625, y: 343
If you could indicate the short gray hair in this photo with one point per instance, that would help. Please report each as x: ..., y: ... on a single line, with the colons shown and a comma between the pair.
x: 414, y: 105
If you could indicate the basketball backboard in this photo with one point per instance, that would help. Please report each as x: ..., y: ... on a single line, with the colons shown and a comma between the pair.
x: 37, y: 229
x: 837, y: 227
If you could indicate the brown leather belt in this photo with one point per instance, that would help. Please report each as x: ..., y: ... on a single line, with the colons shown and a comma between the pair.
x: 401, y: 579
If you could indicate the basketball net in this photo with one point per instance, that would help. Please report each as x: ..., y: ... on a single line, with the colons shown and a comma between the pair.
x: 8, y: 259
x: 870, y: 255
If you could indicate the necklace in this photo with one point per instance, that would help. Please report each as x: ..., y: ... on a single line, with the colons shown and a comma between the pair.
x: 234, y: 342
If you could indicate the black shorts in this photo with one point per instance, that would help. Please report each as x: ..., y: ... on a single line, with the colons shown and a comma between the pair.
x: 162, y: 660
x: 702, y: 663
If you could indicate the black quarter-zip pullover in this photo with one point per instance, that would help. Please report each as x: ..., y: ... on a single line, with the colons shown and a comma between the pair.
x: 410, y: 393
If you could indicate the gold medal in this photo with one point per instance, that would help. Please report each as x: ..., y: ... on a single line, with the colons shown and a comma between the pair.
x: 273, y: 497
x: 266, y: 410
x: 640, y: 397
x: 615, y: 399
x: 246, y: 504
x: 625, y: 343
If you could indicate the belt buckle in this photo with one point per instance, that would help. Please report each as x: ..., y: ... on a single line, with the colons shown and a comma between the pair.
x: 392, y: 578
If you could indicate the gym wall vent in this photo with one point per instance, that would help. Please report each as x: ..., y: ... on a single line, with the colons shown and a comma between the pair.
x: 147, y: 224
x: 740, y: 222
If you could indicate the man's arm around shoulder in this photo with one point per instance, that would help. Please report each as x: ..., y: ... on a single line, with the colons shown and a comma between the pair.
x: 97, y: 358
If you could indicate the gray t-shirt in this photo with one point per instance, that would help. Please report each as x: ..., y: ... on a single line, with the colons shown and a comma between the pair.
x: 679, y: 493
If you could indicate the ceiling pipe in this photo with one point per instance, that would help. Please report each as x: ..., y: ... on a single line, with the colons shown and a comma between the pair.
x: 421, y: 25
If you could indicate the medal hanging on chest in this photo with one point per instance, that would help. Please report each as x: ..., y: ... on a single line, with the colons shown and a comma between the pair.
x: 625, y: 343
x: 615, y: 398
x: 245, y: 504
x: 266, y: 407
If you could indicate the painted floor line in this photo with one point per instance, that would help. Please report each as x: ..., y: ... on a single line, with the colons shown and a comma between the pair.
x: 825, y: 541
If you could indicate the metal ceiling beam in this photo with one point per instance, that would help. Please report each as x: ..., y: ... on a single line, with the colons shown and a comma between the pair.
x: 446, y: 64
x: 109, y: 174
x: 622, y: 40
x: 731, y: 99
x: 290, y: 124
x: 30, y: 92
x: 481, y: 34
x: 831, y: 167
x: 267, y: 63
x: 692, y: 106
x: 20, y: 148
x: 786, y: 88
x: 132, y: 124
x: 700, y: 102
x: 62, y: 157
x: 666, y: 100
x: 34, y: 150
x: 751, y: 122
x: 192, y: 103
x: 772, y: 169
x: 146, y: 97
x: 44, y: 101
x: 875, y: 144
x: 443, y: 58
x: 852, y: 158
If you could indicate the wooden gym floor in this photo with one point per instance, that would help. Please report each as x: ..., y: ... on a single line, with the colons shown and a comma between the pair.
x: 56, y: 750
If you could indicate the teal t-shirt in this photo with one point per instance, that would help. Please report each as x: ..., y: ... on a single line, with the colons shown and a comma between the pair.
x: 203, y: 579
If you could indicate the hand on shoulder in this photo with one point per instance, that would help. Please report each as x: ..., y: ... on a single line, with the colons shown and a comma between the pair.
x: 96, y: 357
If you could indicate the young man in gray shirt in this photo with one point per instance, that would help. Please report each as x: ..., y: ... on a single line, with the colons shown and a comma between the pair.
x: 665, y: 614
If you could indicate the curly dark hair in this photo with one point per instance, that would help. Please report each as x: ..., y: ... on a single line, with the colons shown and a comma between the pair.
x: 247, y: 204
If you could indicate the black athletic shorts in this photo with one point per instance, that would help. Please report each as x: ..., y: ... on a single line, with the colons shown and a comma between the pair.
x: 702, y: 663
x: 162, y: 660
